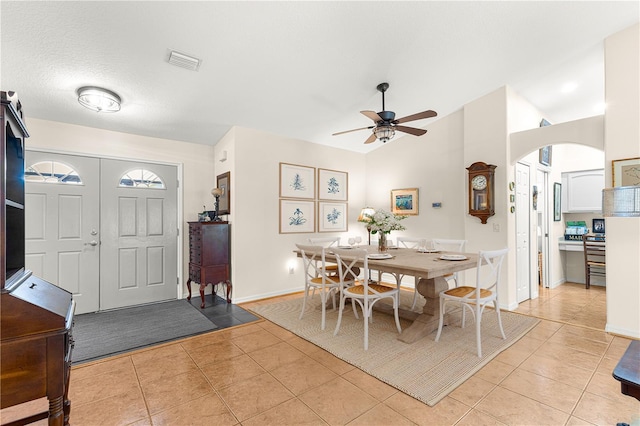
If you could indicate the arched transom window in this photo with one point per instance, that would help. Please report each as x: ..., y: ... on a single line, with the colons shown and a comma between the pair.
x: 141, y: 178
x: 52, y: 172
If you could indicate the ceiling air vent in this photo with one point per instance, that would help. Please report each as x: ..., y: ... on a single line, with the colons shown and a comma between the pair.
x: 184, y: 61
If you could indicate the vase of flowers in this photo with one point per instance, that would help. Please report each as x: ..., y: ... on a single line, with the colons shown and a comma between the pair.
x: 382, y: 222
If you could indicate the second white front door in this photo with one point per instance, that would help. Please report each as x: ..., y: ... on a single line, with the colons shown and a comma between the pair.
x: 139, y: 233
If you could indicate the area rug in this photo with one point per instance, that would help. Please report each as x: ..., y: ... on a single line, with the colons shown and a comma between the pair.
x: 102, y: 334
x: 426, y: 370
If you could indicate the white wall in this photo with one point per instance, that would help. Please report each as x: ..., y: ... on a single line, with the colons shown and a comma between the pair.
x: 195, y: 161
x: 622, y: 140
x: 260, y: 254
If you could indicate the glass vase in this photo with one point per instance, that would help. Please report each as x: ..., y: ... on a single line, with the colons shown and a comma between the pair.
x: 382, y: 243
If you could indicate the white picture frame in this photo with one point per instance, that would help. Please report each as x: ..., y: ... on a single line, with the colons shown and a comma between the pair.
x: 332, y: 217
x: 333, y: 185
x: 297, y: 181
x: 297, y: 216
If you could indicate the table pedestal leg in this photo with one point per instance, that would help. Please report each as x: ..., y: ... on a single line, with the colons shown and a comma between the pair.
x: 427, y: 321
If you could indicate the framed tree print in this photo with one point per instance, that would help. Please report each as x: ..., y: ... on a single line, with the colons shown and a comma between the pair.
x: 297, y: 181
x: 223, y: 182
x: 333, y: 185
x: 297, y: 216
x: 332, y: 217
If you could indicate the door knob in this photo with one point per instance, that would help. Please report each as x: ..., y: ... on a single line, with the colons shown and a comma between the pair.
x: 92, y: 243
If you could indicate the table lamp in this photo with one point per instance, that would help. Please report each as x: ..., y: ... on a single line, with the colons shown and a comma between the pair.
x: 217, y: 192
x: 365, y: 216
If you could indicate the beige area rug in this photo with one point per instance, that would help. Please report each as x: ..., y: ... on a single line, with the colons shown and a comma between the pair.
x: 426, y: 370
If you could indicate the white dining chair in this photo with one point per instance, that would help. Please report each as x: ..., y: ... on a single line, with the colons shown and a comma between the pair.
x: 364, y: 293
x: 477, y: 298
x: 412, y: 243
x: 455, y: 246
x: 317, y: 277
x: 327, y: 242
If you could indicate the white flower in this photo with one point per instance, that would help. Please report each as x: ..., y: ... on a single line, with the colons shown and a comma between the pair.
x: 383, y: 221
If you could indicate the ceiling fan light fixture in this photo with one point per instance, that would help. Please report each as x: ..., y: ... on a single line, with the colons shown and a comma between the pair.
x: 99, y: 99
x: 384, y: 133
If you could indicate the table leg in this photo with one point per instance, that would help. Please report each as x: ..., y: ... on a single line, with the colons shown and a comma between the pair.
x: 427, y: 321
x: 189, y: 288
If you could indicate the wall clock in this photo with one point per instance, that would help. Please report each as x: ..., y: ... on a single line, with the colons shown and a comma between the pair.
x: 481, y: 190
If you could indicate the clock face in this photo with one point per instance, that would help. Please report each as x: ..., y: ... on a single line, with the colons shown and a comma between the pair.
x: 479, y: 182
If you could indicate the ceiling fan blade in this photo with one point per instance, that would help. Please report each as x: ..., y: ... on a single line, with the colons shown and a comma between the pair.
x: 411, y: 130
x: 372, y: 115
x: 371, y: 138
x: 353, y: 130
x: 418, y: 116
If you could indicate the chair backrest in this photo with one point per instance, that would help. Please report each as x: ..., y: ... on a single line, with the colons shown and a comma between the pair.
x: 347, y: 268
x: 325, y: 241
x: 413, y: 243
x: 594, y: 249
x: 449, y: 245
x: 489, y: 276
x: 313, y: 258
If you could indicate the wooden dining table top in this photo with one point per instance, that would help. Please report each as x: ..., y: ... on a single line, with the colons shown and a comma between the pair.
x: 408, y: 261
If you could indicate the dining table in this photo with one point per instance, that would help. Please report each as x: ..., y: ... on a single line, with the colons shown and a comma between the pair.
x: 431, y: 267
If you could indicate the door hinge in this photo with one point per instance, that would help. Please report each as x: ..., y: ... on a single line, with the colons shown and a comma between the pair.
x: 178, y: 232
x: 177, y: 280
x: 178, y: 183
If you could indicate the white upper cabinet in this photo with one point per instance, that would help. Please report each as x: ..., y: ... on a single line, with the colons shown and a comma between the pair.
x: 582, y: 191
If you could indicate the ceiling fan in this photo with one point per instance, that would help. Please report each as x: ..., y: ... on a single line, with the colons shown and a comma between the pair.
x: 386, y: 123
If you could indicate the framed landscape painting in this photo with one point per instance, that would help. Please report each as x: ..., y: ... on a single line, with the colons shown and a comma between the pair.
x: 223, y: 182
x: 297, y: 181
x: 332, y: 217
x: 297, y: 216
x: 333, y: 185
x: 404, y: 201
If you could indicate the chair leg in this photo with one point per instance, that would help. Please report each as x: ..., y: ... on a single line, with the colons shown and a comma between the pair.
x: 478, y: 337
x: 340, y: 309
x: 396, y: 302
x: 366, y: 326
x: 441, y: 319
x: 304, y: 301
x: 323, y: 300
x: 497, y: 308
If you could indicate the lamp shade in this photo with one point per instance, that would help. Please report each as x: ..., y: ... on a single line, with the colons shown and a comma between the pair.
x: 365, y: 214
x: 98, y: 99
x: 621, y: 201
x: 217, y: 192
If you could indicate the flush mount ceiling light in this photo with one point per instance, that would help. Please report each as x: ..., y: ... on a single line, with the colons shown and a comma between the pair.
x: 98, y: 99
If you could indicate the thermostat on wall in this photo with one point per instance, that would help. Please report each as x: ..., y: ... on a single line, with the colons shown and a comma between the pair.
x: 436, y: 205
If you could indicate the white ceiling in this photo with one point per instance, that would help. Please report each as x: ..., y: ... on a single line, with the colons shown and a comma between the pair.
x: 301, y: 69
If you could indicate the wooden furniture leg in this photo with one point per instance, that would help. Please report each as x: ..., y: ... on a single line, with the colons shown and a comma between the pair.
x: 229, y: 287
x: 427, y: 321
x: 189, y: 288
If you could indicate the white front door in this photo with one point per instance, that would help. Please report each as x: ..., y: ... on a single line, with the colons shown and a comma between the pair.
x: 62, y: 223
x: 139, y: 233
x: 522, y: 232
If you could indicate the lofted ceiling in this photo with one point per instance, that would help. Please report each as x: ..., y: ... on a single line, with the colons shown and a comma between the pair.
x: 302, y: 70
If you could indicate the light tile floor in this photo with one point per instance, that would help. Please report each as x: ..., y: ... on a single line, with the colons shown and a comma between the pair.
x: 261, y: 374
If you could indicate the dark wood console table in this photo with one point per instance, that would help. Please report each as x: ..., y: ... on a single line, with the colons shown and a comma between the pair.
x: 627, y: 372
x: 209, y: 256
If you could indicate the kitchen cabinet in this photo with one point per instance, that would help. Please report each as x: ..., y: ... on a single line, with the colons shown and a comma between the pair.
x: 582, y: 191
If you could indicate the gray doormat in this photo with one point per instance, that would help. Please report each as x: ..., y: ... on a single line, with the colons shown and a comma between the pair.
x: 102, y: 334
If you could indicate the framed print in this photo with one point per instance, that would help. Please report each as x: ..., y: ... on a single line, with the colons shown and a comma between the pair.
x: 404, y: 201
x: 297, y: 181
x: 333, y: 185
x: 332, y: 217
x: 626, y: 172
x: 557, y: 200
x: 223, y: 182
x: 598, y: 226
x: 297, y: 216
x: 545, y: 155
